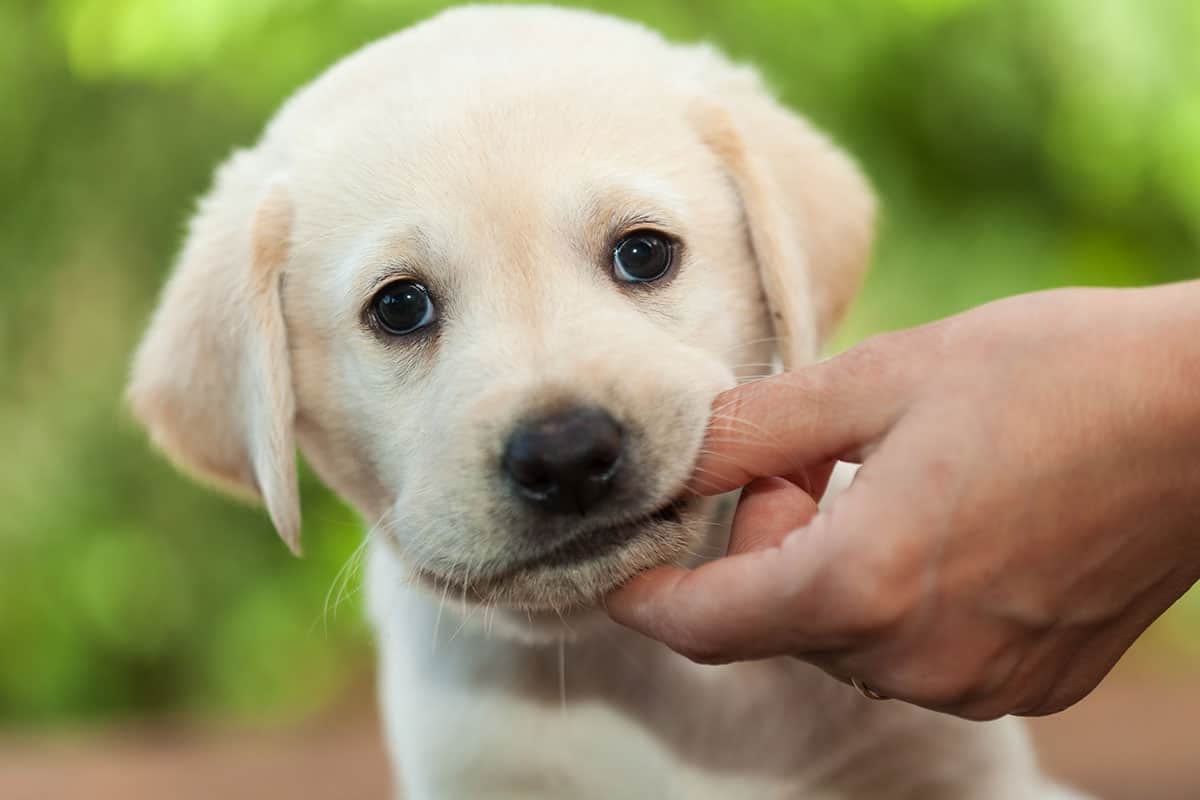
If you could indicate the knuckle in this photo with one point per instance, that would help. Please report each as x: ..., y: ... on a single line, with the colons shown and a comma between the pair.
x: 874, y: 351
x: 882, y: 356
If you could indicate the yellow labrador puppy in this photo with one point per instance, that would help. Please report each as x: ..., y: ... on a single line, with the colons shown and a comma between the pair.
x: 488, y: 274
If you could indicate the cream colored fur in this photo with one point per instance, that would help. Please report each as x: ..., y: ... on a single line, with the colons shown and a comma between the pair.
x: 494, y: 153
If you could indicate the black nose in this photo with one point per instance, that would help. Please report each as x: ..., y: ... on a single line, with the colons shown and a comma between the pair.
x: 565, y: 462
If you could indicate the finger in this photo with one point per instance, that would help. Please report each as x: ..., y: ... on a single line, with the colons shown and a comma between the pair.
x: 824, y: 591
x: 797, y: 420
x: 769, y: 509
x: 753, y: 604
x: 814, y: 480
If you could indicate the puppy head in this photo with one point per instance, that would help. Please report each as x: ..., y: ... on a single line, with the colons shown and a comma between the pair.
x: 490, y: 273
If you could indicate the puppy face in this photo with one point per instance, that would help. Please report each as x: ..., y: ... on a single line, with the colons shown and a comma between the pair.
x: 523, y: 338
x: 495, y: 317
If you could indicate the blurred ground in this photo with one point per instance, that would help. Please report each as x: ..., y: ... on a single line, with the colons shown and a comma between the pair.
x: 1134, y: 738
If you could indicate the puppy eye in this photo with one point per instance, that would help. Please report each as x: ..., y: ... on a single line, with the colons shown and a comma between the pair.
x: 403, y: 307
x: 642, y: 256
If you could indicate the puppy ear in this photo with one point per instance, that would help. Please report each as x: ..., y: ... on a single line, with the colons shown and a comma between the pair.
x: 211, y: 380
x: 809, y: 210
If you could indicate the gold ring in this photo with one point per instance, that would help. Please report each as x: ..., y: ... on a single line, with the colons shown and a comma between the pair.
x: 867, y: 691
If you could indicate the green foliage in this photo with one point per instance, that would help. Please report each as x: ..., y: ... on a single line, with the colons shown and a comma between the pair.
x: 1017, y: 144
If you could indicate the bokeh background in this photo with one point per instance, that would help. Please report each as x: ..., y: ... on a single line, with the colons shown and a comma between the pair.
x: 1016, y: 144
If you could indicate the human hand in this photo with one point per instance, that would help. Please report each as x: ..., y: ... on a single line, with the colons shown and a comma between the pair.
x: 1029, y: 502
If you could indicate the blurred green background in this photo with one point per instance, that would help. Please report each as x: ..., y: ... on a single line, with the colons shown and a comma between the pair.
x: 1017, y: 144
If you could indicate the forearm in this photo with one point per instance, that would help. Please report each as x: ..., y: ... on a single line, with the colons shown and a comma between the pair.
x: 1169, y: 356
x: 1163, y: 410
x: 1183, y: 310
x: 1177, y: 307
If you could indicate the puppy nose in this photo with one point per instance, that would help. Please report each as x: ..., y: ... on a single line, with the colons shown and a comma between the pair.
x: 565, y: 462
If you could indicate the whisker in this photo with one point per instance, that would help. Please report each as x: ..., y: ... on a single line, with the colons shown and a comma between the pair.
x: 747, y: 424
x: 437, y: 622
x: 752, y: 342
x: 562, y: 674
x: 706, y: 485
x: 465, y: 620
x: 748, y: 365
x: 764, y: 437
x: 341, y: 580
x: 564, y: 622
x: 716, y: 456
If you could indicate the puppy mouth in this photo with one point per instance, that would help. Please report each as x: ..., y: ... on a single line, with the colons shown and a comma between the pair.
x: 598, y: 548
x: 595, y: 543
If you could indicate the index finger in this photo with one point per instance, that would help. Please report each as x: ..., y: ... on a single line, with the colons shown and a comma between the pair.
x: 782, y: 425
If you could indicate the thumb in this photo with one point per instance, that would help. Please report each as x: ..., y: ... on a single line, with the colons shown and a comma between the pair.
x: 791, y: 584
x: 782, y: 425
x: 750, y: 604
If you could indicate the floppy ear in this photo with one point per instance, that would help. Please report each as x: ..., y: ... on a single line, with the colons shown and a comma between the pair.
x: 211, y: 380
x: 809, y: 210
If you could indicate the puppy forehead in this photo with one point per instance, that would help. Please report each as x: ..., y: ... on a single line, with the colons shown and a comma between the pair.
x: 569, y: 209
x: 500, y: 191
x: 473, y: 149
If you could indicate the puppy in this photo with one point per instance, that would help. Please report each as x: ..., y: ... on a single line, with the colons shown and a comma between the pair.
x: 488, y: 274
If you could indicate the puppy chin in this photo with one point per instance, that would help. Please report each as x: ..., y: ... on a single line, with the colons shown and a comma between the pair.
x: 582, y: 583
x: 553, y: 593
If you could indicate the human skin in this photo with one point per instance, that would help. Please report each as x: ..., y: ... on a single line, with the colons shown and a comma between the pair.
x: 1028, y: 503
